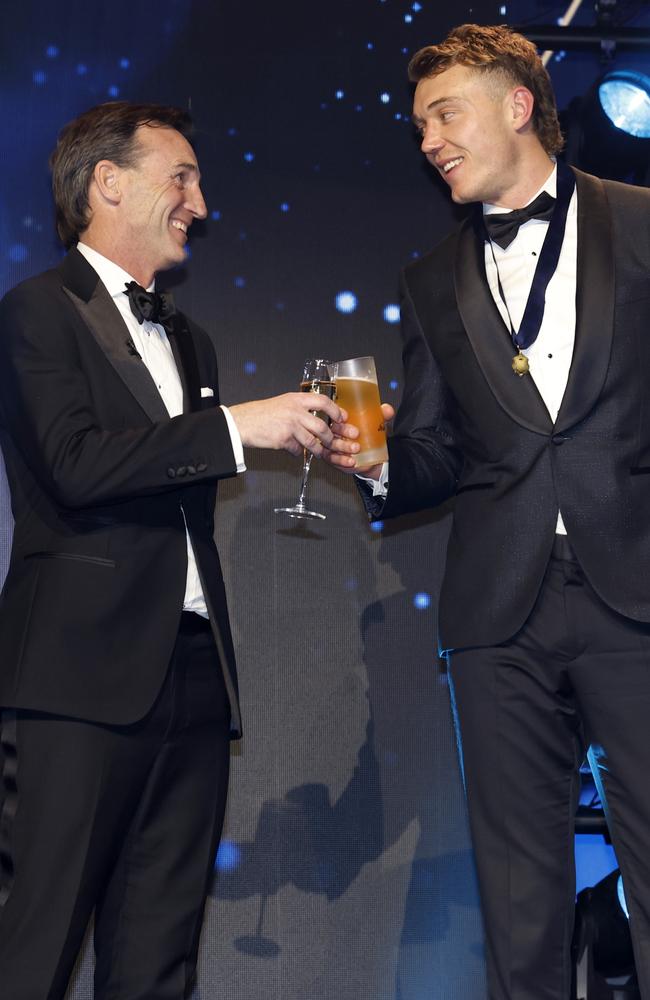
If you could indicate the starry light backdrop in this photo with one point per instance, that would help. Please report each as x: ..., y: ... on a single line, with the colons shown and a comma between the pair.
x: 346, y: 872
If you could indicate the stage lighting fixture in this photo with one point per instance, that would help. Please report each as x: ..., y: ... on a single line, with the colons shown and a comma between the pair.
x: 608, y: 130
x: 625, y: 98
x: 602, y: 929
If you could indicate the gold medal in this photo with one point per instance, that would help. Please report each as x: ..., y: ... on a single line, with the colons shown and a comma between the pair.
x: 520, y: 364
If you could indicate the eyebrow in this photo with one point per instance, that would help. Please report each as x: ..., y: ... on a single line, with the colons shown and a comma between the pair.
x: 434, y: 104
x: 193, y: 167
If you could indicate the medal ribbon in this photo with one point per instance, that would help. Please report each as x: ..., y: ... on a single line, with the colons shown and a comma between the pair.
x: 546, y: 265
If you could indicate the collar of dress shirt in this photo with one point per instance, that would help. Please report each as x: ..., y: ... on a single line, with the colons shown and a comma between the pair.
x: 112, y: 275
x: 550, y: 185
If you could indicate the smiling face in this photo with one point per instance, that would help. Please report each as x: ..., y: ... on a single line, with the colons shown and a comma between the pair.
x: 476, y: 132
x: 159, y: 199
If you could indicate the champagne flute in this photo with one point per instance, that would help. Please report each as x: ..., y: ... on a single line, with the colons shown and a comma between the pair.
x: 317, y: 378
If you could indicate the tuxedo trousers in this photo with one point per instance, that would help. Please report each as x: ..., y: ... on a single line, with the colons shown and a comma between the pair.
x: 576, y: 674
x: 122, y: 820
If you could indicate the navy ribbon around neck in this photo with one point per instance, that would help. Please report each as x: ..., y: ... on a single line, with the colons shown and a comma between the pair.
x: 546, y: 265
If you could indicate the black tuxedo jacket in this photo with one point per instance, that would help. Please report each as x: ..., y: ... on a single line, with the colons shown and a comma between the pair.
x: 469, y: 427
x: 102, y: 483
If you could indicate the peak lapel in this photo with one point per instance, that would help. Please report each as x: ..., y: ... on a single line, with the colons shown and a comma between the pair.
x: 489, y: 337
x: 594, y: 302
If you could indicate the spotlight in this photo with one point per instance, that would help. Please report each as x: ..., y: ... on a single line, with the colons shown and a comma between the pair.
x: 608, y: 130
x: 625, y: 99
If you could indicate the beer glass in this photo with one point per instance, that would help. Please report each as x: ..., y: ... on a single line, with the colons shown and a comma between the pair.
x: 316, y: 378
x: 358, y: 393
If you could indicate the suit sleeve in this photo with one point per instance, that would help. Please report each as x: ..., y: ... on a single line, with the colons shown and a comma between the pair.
x: 47, y: 407
x: 424, y: 462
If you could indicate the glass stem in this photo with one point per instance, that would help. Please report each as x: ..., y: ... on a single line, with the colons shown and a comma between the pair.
x: 306, y: 466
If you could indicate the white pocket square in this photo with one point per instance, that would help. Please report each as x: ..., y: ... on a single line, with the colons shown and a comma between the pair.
x: 206, y: 391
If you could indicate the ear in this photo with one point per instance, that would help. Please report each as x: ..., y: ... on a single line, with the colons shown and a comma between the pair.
x: 106, y: 177
x: 522, y: 103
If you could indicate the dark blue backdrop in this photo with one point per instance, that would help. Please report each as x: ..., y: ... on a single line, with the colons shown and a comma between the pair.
x: 346, y: 871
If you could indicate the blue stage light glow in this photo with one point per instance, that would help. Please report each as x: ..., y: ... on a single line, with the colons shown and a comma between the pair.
x: 377, y: 526
x: 232, y: 131
x: 620, y: 892
x: 239, y: 282
x: 250, y: 367
x: 398, y: 115
x: 346, y: 302
x: 18, y: 253
x: 384, y: 97
x: 625, y: 98
x: 82, y: 69
x: 358, y: 107
x: 216, y: 215
x: 393, y: 385
x: 422, y: 601
x: 339, y: 95
x: 285, y: 206
x: 408, y: 18
x: 113, y: 91
x: 391, y: 313
x: 369, y: 46
x: 416, y: 7
x: 52, y: 51
x: 249, y: 157
x: 39, y: 77
x: 228, y: 856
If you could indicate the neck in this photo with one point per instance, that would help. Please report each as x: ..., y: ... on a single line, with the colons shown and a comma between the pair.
x: 533, y: 175
x: 113, y: 250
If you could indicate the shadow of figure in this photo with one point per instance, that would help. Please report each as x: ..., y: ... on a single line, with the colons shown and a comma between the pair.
x: 401, y: 814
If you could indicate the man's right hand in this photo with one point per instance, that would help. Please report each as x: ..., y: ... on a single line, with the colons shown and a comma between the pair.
x: 288, y: 422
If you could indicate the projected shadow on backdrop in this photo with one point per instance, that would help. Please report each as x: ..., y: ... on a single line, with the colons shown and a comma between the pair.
x: 319, y: 844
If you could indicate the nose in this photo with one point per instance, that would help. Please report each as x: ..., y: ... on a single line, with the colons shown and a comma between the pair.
x: 431, y: 140
x: 195, y: 202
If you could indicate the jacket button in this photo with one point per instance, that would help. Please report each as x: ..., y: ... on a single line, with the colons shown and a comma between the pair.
x: 171, y: 473
x: 559, y: 439
x: 181, y: 470
x: 201, y: 467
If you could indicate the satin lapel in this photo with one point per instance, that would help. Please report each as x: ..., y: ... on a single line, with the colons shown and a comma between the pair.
x: 102, y: 317
x: 594, y: 302
x: 489, y: 337
x: 182, y: 346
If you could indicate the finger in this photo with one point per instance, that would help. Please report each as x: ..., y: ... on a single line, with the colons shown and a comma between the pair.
x: 316, y: 428
x: 388, y: 411
x: 344, y: 447
x: 345, y: 430
x: 346, y: 463
x: 323, y: 405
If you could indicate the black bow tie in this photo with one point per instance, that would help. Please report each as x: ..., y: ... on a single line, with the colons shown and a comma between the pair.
x: 502, y: 227
x: 154, y: 306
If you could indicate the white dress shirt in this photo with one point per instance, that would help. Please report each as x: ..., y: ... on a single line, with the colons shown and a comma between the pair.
x: 153, y: 346
x: 551, y: 353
